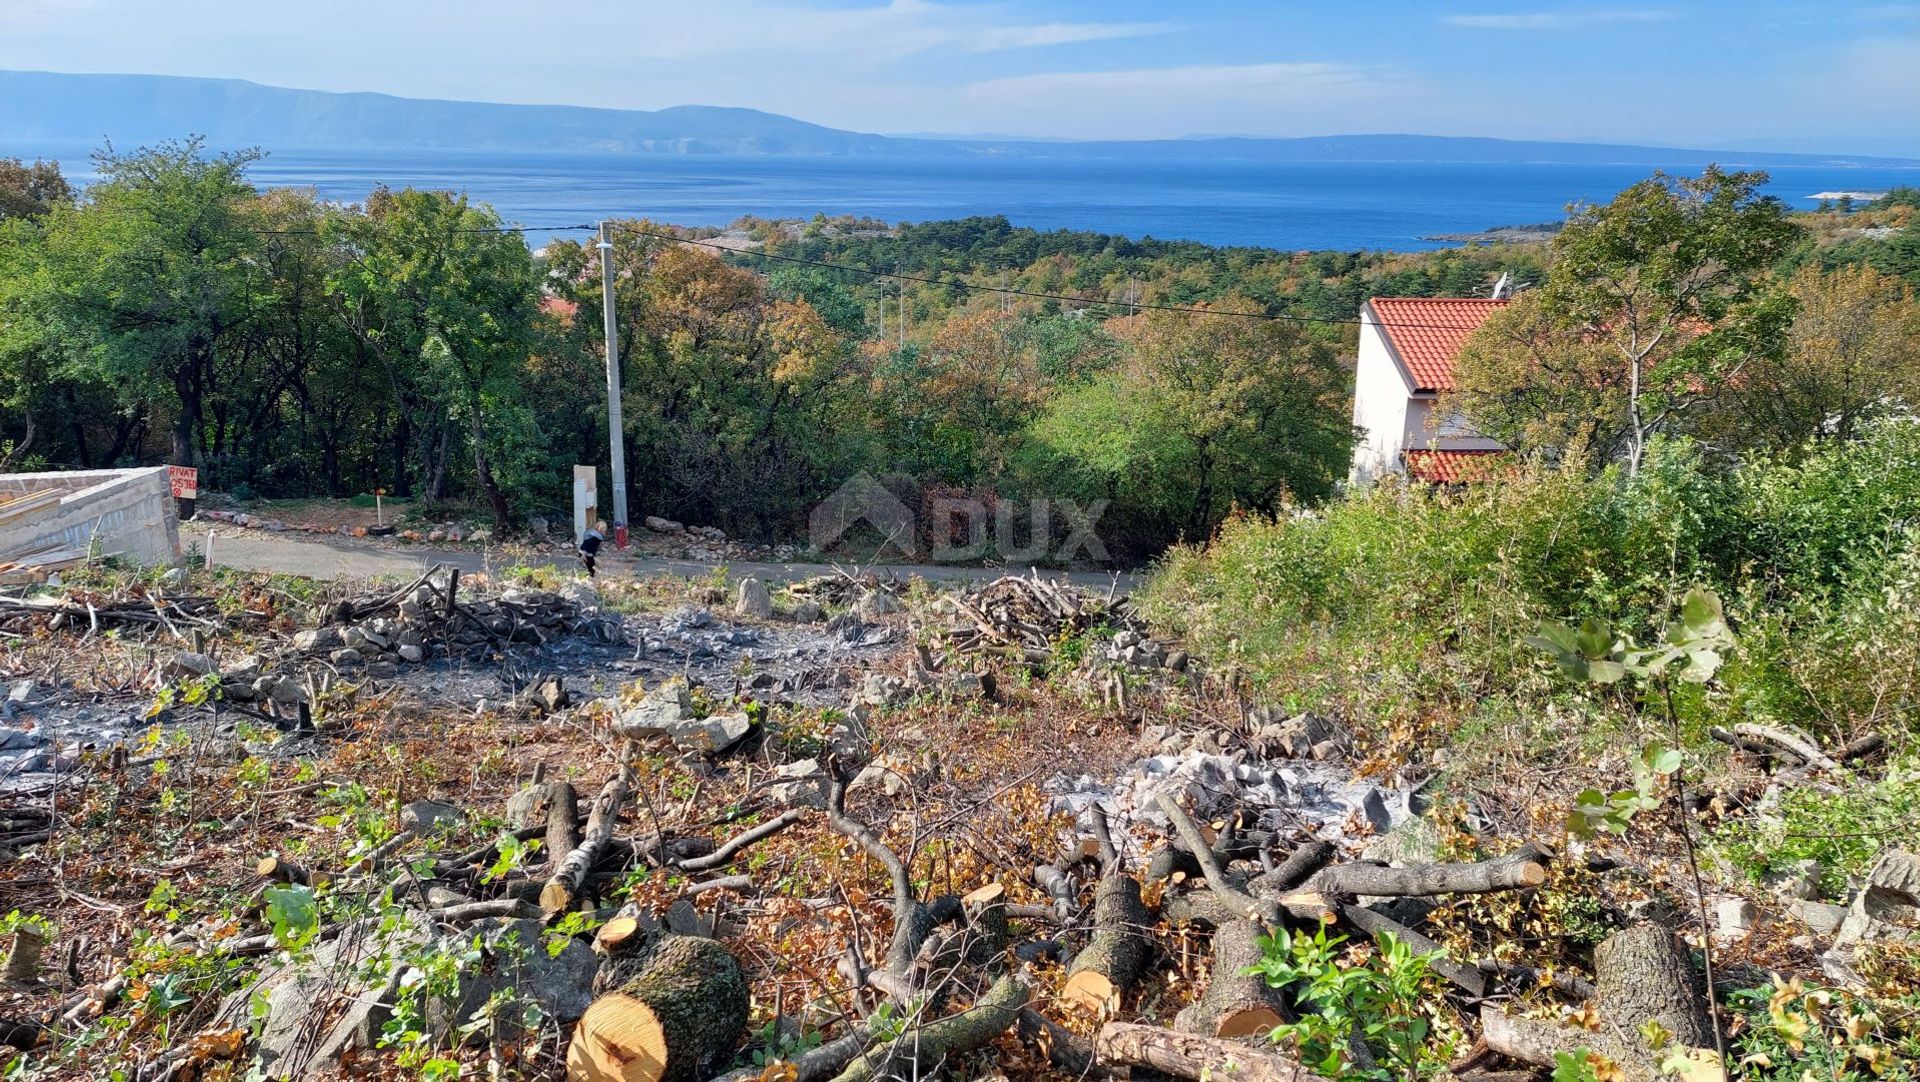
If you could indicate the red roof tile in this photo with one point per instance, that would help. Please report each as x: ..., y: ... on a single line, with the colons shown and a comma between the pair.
x: 1452, y: 467
x: 1427, y: 332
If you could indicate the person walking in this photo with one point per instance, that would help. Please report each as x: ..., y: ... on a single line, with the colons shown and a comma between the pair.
x: 590, y: 544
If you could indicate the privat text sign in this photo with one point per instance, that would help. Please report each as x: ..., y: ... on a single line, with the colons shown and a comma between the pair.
x: 184, y: 481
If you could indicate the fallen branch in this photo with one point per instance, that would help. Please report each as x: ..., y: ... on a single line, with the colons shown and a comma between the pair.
x: 1191, y: 1056
x: 571, y: 871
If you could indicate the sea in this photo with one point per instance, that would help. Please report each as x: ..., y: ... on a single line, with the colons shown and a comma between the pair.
x: 1295, y: 206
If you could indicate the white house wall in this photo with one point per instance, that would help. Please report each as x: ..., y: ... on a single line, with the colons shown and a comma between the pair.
x: 1424, y: 432
x: 1381, y: 396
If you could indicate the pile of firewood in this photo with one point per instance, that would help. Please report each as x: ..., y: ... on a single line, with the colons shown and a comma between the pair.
x: 1025, y: 617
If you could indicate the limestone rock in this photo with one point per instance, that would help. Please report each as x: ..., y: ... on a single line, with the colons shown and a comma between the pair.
x: 803, y: 784
x: 712, y: 734
x: 427, y: 816
x: 187, y: 665
x: 1887, y: 910
x: 753, y: 600
x: 666, y: 705
x: 876, y: 603
x: 514, y: 956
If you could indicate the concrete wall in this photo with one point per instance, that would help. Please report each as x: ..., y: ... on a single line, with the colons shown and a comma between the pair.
x: 130, y: 511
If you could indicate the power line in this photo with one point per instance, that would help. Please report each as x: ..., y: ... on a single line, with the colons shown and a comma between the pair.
x: 464, y: 229
x: 1032, y: 294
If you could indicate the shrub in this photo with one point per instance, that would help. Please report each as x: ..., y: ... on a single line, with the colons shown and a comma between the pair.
x: 1401, y: 604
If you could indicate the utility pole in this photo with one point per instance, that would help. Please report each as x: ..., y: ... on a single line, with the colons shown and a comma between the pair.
x: 903, y: 314
x: 616, y: 432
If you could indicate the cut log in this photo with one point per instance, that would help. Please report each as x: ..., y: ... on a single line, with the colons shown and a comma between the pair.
x: 1540, y: 1042
x: 920, y: 1051
x: 617, y: 935
x: 563, y: 815
x: 1117, y: 951
x: 1378, y: 880
x: 988, y: 931
x: 1645, y: 974
x: 675, y: 1021
x: 1189, y: 1055
x: 1806, y: 750
x: 571, y: 870
x: 282, y: 870
x: 1236, y: 1003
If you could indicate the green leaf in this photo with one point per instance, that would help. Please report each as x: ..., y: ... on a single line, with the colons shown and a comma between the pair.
x: 1594, y: 639
x: 1661, y: 759
x: 1554, y: 636
x: 1700, y: 609
x: 1601, y: 671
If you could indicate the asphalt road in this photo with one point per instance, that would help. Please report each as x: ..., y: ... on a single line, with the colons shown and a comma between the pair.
x: 333, y: 557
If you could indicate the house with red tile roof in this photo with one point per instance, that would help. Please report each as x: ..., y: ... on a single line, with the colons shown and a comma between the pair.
x: 1407, y: 350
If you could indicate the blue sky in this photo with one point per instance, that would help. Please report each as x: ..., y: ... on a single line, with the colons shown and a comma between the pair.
x: 1765, y: 73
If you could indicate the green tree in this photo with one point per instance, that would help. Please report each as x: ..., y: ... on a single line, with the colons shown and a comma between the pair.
x: 1202, y: 414
x: 435, y: 283
x: 1667, y: 277
x: 155, y: 274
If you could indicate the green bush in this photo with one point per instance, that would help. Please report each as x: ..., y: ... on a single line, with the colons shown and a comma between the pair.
x: 1402, y: 602
x: 1842, y: 829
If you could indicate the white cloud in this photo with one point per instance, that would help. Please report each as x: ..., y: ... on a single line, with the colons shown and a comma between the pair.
x: 860, y: 35
x: 1557, y: 20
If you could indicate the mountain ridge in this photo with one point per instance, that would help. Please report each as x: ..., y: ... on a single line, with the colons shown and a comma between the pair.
x: 62, y: 107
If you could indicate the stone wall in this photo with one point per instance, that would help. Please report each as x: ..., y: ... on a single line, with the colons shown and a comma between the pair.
x: 131, y: 512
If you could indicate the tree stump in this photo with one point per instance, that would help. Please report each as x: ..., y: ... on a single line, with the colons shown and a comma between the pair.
x: 676, y: 1021
x: 1645, y: 974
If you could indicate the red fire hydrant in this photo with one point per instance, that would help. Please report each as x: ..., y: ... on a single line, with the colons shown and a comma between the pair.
x: 620, y: 535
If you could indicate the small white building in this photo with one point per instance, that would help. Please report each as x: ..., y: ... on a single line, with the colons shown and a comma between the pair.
x: 1407, y: 349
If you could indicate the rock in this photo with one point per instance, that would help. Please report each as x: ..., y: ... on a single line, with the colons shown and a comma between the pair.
x: 753, y: 600
x: 879, y: 689
x: 1374, y: 803
x: 808, y: 612
x: 712, y: 734
x: 802, y: 784
x: 514, y: 957
x: 539, y: 526
x: 428, y: 816
x: 1820, y: 916
x: 962, y: 686
x: 664, y: 706
x: 187, y: 665
x: 1801, y: 881
x: 1414, y: 841
x: 412, y: 654
x: 318, y: 640
x: 20, y: 740
x: 683, y: 919
x: 285, y: 692
x: 480, y: 536
x: 346, y: 657
x: 876, y: 603
x: 299, y: 997
x: 173, y: 578
x: 247, y: 668
x: 436, y: 535
x: 1293, y: 738
x: 382, y: 670
x: 1886, y: 910
x: 549, y: 694
x: 1734, y: 917
x: 662, y: 525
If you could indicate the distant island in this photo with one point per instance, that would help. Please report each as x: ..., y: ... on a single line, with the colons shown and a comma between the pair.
x: 47, y: 107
